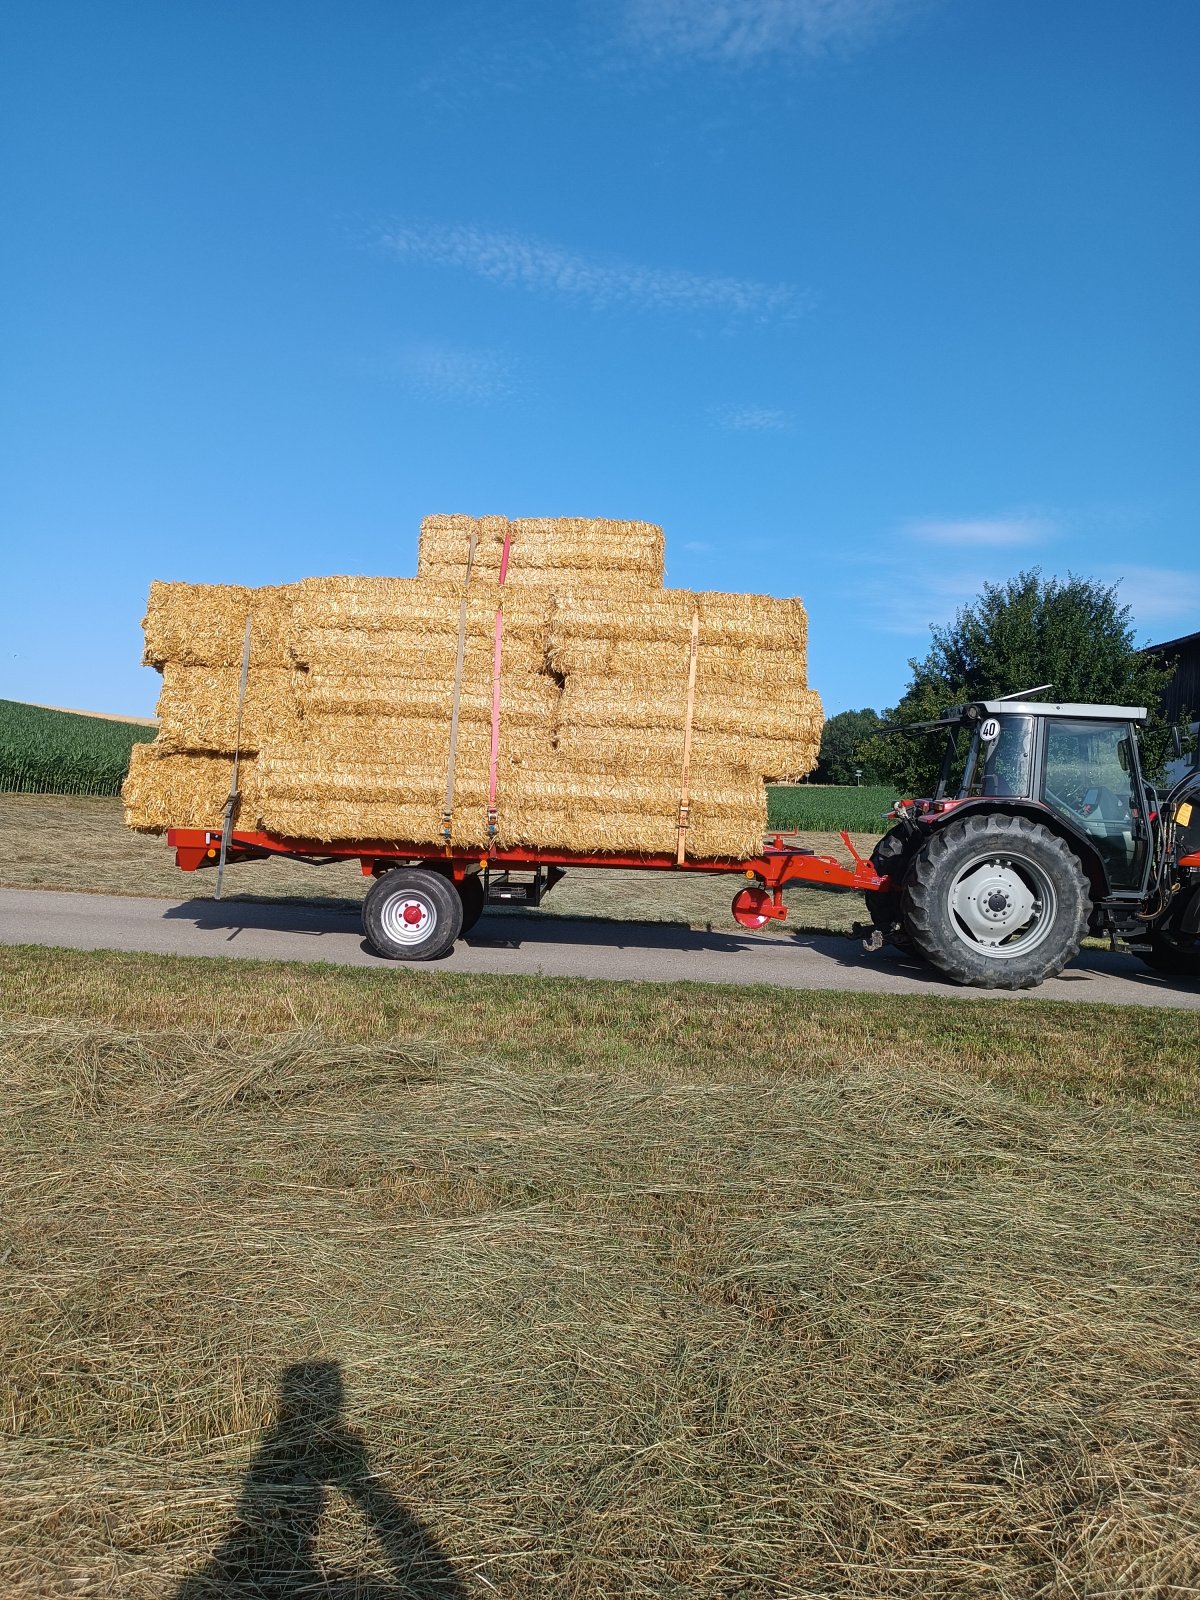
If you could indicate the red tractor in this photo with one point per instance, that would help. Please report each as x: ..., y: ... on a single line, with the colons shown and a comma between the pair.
x: 1050, y: 834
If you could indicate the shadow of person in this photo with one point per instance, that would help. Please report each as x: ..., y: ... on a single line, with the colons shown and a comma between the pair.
x: 271, y: 1551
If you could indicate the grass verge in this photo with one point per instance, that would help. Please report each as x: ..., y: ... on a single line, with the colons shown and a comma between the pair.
x: 360, y: 1283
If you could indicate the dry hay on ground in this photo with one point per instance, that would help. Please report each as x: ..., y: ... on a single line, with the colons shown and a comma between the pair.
x: 878, y: 1332
x: 349, y: 704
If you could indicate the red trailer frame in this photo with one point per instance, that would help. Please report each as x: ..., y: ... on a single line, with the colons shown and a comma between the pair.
x: 770, y: 873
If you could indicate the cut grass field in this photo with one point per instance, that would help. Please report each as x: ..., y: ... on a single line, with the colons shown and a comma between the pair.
x: 80, y: 843
x: 465, y: 1287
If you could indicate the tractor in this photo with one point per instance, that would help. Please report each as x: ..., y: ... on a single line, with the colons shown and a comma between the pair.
x: 1042, y: 830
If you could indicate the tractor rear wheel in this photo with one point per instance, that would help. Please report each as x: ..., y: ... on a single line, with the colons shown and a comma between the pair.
x: 996, y: 901
x: 886, y: 906
x: 412, y: 914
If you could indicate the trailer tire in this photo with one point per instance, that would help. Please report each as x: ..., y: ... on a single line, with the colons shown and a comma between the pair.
x: 470, y: 892
x: 412, y: 914
x: 996, y: 901
x: 886, y: 907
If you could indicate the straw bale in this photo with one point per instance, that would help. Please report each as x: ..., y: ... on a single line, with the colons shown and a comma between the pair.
x: 528, y: 698
x: 185, y: 791
x: 379, y: 821
x: 404, y: 745
x: 741, y: 620
x: 198, y: 707
x: 204, y: 624
x: 719, y: 667
x: 415, y: 632
x: 659, y: 752
x: 543, y: 548
x: 589, y: 809
x: 661, y: 703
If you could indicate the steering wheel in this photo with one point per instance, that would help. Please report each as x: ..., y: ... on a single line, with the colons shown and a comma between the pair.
x: 1110, y: 806
x: 1071, y: 799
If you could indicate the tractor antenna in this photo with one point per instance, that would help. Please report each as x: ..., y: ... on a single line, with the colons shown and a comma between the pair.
x: 1023, y: 694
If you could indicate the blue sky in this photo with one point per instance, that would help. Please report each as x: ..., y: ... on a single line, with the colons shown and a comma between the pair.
x: 865, y: 300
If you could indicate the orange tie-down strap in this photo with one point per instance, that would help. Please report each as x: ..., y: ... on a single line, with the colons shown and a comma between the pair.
x: 448, y: 808
x: 684, y: 800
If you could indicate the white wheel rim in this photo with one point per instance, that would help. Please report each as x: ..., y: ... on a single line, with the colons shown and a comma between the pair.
x: 407, y: 918
x: 1002, y: 906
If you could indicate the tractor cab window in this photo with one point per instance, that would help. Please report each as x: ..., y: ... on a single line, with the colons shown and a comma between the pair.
x: 1090, y: 777
x: 1000, y: 758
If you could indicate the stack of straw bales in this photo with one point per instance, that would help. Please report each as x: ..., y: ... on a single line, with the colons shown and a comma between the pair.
x: 346, y: 725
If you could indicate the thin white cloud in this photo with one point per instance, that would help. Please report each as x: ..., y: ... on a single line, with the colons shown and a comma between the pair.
x: 525, y: 263
x: 978, y: 533
x: 698, y: 546
x: 1164, y: 601
x: 739, y: 31
x: 751, y: 419
x: 443, y: 372
x: 910, y: 602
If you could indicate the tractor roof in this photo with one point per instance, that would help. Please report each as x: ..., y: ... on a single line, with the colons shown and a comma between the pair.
x: 1060, y: 708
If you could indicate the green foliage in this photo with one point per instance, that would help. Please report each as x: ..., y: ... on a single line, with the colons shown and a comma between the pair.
x: 1073, y: 635
x: 844, y: 749
x: 57, y: 752
x: 827, y: 808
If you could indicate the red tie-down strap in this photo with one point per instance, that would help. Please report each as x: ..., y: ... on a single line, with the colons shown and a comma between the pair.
x: 497, y: 654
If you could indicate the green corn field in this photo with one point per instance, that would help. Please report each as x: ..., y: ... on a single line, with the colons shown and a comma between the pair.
x: 827, y: 808
x: 57, y: 752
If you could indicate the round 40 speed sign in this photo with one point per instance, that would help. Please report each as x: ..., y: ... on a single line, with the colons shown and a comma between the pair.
x: 989, y: 730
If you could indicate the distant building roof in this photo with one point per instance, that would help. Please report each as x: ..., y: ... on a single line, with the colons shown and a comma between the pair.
x: 1182, y: 696
x: 1192, y: 639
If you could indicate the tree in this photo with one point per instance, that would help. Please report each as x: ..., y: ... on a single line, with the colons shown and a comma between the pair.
x: 1074, y: 636
x: 843, y: 739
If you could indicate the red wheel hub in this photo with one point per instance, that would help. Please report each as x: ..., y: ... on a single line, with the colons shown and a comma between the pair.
x: 748, y: 907
x: 412, y: 915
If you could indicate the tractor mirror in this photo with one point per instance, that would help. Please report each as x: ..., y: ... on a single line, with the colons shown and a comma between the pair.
x: 1123, y: 754
x: 1176, y: 741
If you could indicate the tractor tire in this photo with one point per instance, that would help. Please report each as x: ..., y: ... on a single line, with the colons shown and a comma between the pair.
x: 996, y: 901
x: 470, y: 892
x: 1170, y: 955
x: 1174, y: 945
x: 412, y: 914
x: 886, y: 908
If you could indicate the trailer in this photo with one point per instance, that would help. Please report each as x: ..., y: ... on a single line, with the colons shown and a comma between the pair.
x: 421, y: 903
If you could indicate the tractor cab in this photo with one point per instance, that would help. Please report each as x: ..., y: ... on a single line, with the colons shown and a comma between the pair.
x: 1080, y: 762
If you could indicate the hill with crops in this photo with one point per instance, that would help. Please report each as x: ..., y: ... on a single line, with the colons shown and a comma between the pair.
x: 64, y: 752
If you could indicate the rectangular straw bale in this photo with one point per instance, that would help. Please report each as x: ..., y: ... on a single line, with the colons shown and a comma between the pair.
x: 661, y: 703
x: 527, y: 698
x: 389, y: 821
x: 185, y: 791
x: 204, y: 624
x: 415, y: 632
x: 589, y: 809
x: 198, y: 707
x: 565, y: 550
x: 718, y: 666
x: 738, y: 620
x: 658, y: 753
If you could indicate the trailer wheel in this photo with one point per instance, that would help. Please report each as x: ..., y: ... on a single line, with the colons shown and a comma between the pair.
x: 411, y: 914
x: 996, y: 901
x: 470, y: 892
x: 886, y: 908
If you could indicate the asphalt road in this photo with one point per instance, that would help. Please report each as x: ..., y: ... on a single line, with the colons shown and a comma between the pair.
x: 529, y: 944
